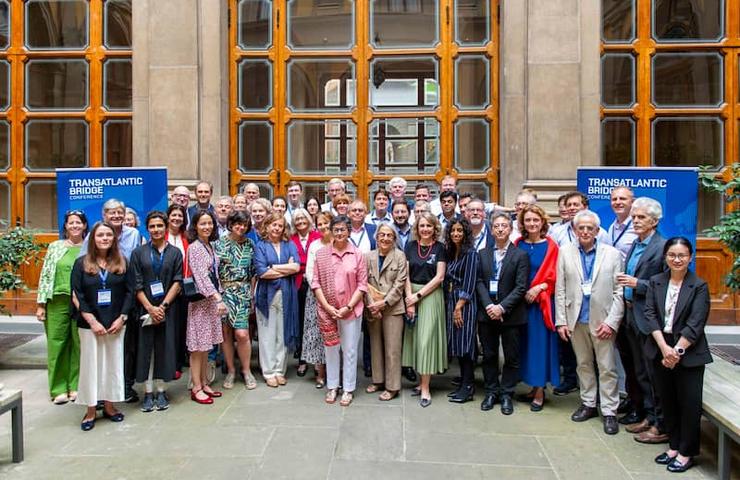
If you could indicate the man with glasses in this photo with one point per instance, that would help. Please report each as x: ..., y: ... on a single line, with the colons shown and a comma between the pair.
x: 588, y: 311
x: 334, y: 187
x: 181, y: 196
x: 475, y: 213
x: 524, y: 198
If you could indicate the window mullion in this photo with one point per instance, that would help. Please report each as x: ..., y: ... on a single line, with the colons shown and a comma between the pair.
x: 362, y: 117
x: 95, y: 55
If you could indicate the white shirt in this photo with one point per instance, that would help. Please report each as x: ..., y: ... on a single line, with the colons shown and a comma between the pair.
x: 671, y: 299
x: 328, y: 207
x: 360, y: 239
x: 375, y: 220
x: 479, y: 242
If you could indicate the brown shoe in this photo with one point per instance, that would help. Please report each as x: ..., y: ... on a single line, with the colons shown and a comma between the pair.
x: 643, y: 426
x: 652, y: 436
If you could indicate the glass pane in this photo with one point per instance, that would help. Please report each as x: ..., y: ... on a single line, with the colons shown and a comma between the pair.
x: 471, y: 22
x: 255, y: 85
x: 56, y: 24
x: 688, y: 142
x: 687, y: 79
x: 710, y: 209
x: 617, y: 21
x: 255, y: 146
x: 117, y: 29
x: 404, y: 145
x: 688, y: 20
x: 4, y: 204
x: 117, y: 84
x: 618, y: 142
x: 4, y: 85
x: 318, y: 84
x: 4, y: 145
x: 472, y: 145
x: 479, y: 189
x: 41, y: 205
x: 408, y: 23
x: 617, y: 80
x: 472, y: 82
x: 318, y: 190
x: 255, y: 24
x: 4, y: 24
x: 322, y: 146
x: 56, y: 84
x: 402, y: 82
x: 118, y: 143
x: 321, y: 24
x: 56, y: 143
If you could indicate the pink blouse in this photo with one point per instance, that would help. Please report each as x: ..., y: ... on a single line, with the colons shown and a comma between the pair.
x: 350, y: 275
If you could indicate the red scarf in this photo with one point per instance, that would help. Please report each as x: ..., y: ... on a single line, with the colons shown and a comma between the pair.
x: 185, y: 245
x: 325, y: 270
x: 313, y: 235
x: 547, y: 274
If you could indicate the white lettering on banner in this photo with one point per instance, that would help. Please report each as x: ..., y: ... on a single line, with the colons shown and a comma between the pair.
x: 92, y: 188
x: 602, y: 187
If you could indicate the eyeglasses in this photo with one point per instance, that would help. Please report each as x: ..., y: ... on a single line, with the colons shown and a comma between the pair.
x: 585, y: 228
x: 677, y: 256
x: 501, y: 226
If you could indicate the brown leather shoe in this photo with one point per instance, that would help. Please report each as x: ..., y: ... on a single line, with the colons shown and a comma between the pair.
x: 638, y: 427
x: 652, y: 436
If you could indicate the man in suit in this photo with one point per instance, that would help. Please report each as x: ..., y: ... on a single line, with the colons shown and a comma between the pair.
x: 203, y: 194
x: 503, y: 274
x: 644, y: 259
x: 475, y: 213
x: 588, y: 310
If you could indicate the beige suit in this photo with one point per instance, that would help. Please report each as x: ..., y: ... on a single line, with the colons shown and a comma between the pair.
x: 386, y: 333
x: 605, y: 306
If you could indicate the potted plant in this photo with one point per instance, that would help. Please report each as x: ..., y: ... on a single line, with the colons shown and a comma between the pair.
x: 17, y: 248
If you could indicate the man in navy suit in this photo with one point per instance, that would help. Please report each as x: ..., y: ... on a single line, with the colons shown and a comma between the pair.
x: 203, y: 194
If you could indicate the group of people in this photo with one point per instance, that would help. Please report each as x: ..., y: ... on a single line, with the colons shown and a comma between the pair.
x: 413, y: 284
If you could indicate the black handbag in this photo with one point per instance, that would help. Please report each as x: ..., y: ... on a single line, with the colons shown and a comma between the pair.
x: 410, y: 321
x: 190, y: 290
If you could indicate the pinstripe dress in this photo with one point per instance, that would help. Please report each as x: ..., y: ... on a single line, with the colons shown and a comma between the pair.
x: 459, y: 283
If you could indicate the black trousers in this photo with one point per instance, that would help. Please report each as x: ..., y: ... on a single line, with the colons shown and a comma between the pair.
x: 130, y: 350
x: 634, y: 392
x: 680, y: 391
x: 491, y: 334
x: 568, y: 363
x: 467, y: 367
x: 644, y: 371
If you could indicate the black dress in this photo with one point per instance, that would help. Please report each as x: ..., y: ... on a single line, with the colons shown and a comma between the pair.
x: 159, y: 339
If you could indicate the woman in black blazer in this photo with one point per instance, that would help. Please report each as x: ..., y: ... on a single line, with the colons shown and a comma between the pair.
x: 676, y: 308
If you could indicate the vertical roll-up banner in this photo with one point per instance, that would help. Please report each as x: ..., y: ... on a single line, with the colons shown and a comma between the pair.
x: 677, y: 190
x: 87, y: 189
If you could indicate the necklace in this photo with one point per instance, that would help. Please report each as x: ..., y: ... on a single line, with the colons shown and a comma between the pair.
x: 418, y: 250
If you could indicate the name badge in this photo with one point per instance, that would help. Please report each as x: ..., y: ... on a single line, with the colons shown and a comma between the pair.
x: 157, y: 289
x: 586, y: 289
x: 493, y: 287
x: 104, y: 297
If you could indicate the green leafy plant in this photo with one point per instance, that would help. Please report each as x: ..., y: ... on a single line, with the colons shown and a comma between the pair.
x: 17, y: 248
x: 728, y: 229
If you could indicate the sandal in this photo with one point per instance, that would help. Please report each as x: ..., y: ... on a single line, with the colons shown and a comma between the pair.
x: 301, y: 370
x: 271, y: 382
x: 331, y: 396
x: 387, y: 395
x: 249, y: 382
x: 372, y: 388
x: 347, y: 398
x: 229, y: 381
x: 281, y: 380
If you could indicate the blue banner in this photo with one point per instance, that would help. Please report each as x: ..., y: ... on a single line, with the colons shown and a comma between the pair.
x: 677, y: 190
x: 87, y: 189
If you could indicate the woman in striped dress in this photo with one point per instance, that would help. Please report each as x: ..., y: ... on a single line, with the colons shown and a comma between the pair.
x: 459, y: 288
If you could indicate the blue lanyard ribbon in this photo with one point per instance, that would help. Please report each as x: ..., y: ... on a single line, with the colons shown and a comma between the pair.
x: 103, y: 274
x: 626, y: 227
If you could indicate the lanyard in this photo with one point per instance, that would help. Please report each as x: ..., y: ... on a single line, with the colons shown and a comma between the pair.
x: 358, y: 242
x: 480, y: 239
x: 570, y: 237
x: 626, y: 227
x: 103, y: 274
x: 156, y: 264
x: 497, y: 265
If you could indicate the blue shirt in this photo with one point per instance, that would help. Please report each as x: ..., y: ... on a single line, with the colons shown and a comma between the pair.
x: 632, y: 262
x: 402, y: 238
x: 128, y: 241
x: 587, y: 263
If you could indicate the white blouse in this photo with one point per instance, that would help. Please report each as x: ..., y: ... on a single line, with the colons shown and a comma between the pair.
x: 671, y: 299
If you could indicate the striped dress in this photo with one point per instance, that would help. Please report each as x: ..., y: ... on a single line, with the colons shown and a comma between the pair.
x: 459, y: 282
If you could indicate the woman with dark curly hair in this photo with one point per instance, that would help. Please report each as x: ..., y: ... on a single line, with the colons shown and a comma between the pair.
x: 459, y: 288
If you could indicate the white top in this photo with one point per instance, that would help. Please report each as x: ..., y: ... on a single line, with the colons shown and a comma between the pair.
x: 671, y: 299
x: 311, y: 259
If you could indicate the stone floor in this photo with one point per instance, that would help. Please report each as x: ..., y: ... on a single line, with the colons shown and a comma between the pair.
x: 291, y: 433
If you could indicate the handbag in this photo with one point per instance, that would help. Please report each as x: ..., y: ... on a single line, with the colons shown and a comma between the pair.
x: 190, y: 289
x: 410, y: 321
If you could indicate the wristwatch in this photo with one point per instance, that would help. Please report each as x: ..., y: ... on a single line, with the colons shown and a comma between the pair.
x: 680, y: 351
x: 418, y: 295
x: 124, y: 317
x: 165, y: 305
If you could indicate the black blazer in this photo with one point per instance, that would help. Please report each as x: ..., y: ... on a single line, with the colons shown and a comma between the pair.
x: 692, y: 311
x: 512, y: 284
x: 651, y: 262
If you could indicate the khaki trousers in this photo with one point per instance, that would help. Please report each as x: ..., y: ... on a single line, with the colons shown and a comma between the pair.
x: 589, y: 348
x: 386, y: 342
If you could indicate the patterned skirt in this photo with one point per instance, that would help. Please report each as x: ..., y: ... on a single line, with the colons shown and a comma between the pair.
x: 313, y: 343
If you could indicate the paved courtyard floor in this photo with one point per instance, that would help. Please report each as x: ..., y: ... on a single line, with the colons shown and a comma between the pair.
x: 291, y: 433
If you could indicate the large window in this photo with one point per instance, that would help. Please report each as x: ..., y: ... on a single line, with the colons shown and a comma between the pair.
x: 65, y: 98
x: 364, y: 90
x: 669, y: 91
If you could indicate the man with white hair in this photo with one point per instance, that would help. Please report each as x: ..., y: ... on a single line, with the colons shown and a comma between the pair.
x: 621, y: 234
x: 588, y: 310
x: 114, y: 211
x: 181, y: 196
x: 475, y: 213
x: 397, y: 189
x: 334, y: 187
x: 252, y: 192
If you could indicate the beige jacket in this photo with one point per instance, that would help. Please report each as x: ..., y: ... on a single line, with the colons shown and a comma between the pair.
x: 391, y: 279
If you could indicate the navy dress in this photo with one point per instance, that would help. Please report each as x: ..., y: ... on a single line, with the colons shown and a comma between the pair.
x: 540, y: 364
x: 459, y: 282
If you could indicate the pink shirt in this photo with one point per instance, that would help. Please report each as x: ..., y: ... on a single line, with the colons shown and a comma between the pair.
x: 350, y: 275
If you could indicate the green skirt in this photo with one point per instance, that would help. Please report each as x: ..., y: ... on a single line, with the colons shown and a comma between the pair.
x: 425, y: 344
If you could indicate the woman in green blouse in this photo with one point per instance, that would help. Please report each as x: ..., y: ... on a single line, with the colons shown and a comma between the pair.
x: 54, y: 309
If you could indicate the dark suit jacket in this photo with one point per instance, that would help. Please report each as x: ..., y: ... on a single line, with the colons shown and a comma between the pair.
x: 692, y: 311
x: 651, y: 263
x: 193, y: 209
x: 512, y: 284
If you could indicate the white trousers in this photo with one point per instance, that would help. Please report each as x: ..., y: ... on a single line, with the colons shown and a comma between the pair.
x: 588, y: 348
x: 101, y: 367
x: 349, y: 338
x: 273, y: 354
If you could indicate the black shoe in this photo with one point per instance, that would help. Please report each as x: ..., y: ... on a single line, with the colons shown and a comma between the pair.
x: 409, y: 374
x: 465, y: 394
x: 368, y: 372
x: 416, y: 391
x: 425, y: 402
x: 116, y: 417
x: 625, y: 406
x: 456, y: 381
x: 677, y: 467
x: 664, y: 459
x: 99, y: 405
x: 130, y: 395
x: 524, y: 397
x: 583, y: 413
x: 453, y: 392
x: 564, y: 389
x: 488, y: 402
x: 148, y: 404
x: 631, y: 418
x: 611, y: 426
x: 87, y: 425
x: 507, y: 406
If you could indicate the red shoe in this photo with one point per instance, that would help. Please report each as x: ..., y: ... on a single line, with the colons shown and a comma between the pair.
x: 178, y: 374
x: 213, y: 394
x: 205, y: 401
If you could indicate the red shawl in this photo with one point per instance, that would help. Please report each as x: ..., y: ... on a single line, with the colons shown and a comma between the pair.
x: 325, y: 271
x: 313, y: 235
x: 547, y: 274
